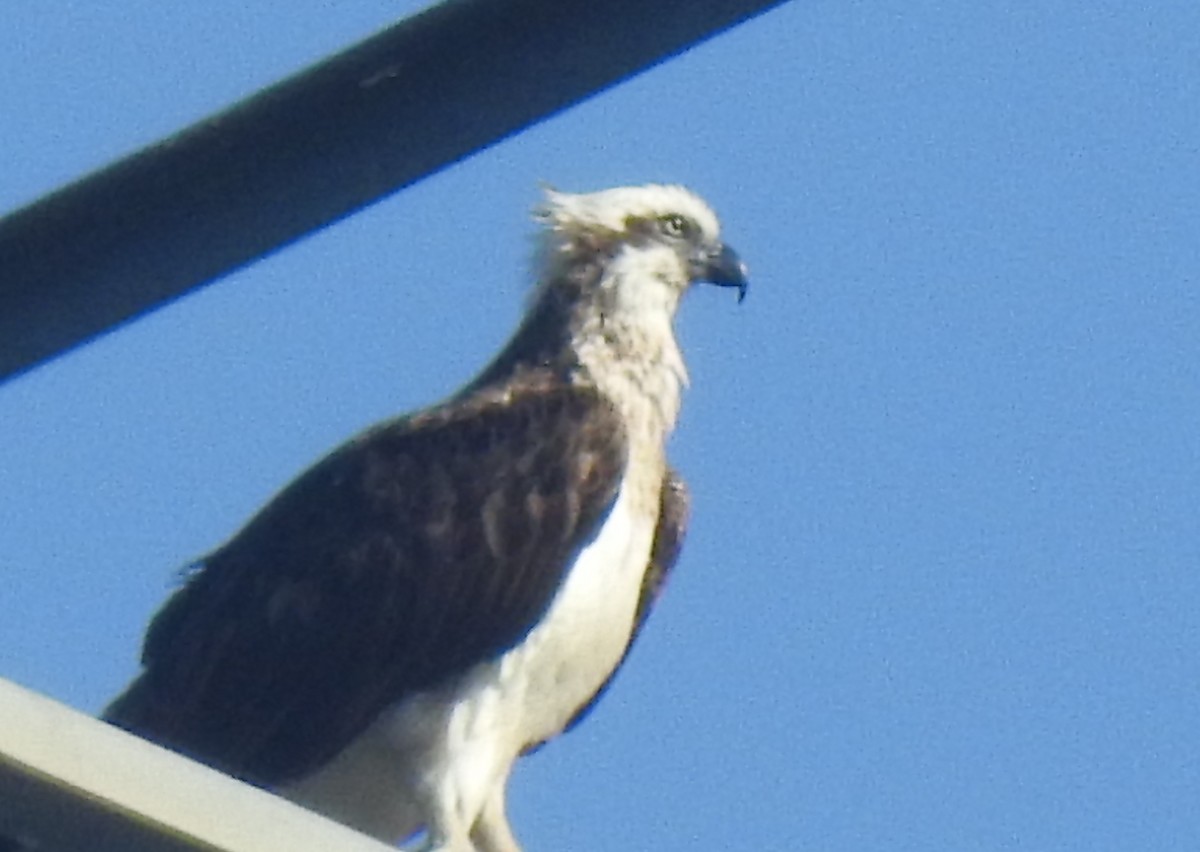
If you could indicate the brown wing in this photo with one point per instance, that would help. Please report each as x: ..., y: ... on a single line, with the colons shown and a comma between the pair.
x: 423, y: 547
x: 674, y: 508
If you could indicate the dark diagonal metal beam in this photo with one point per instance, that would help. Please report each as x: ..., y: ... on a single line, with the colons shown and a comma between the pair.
x: 314, y: 148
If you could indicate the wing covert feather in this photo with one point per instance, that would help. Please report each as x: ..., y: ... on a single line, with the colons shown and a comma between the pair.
x: 362, y: 582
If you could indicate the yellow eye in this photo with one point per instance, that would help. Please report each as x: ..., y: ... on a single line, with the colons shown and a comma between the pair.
x: 674, y: 225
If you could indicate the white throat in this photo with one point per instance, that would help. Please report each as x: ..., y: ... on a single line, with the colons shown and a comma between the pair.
x: 626, y: 339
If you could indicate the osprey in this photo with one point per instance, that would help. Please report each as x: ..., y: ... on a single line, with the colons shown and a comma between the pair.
x: 453, y: 588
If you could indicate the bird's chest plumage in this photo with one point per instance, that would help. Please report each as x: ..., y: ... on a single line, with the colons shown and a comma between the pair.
x: 455, y: 745
x: 546, y: 678
x: 465, y: 736
x: 534, y: 689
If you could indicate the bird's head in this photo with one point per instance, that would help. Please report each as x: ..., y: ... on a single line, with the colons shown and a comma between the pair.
x: 638, y: 248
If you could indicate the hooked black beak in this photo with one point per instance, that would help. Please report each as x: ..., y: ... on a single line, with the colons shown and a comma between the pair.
x: 723, y: 268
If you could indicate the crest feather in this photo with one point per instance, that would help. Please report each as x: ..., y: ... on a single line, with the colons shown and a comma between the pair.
x: 609, y: 209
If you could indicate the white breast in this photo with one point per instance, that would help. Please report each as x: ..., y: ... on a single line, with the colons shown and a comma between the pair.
x: 457, y: 745
x: 569, y: 655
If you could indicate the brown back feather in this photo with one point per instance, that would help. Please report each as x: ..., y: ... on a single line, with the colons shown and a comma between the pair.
x: 426, y: 545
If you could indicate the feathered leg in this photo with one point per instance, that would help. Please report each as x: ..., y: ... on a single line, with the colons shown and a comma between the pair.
x: 491, y: 832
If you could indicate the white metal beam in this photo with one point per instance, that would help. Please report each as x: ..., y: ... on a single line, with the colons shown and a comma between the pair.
x: 70, y: 783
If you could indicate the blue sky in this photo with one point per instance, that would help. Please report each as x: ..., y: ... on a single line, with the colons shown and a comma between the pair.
x: 941, y: 588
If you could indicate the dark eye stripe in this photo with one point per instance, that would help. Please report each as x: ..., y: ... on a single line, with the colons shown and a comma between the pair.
x: 675, y: 225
